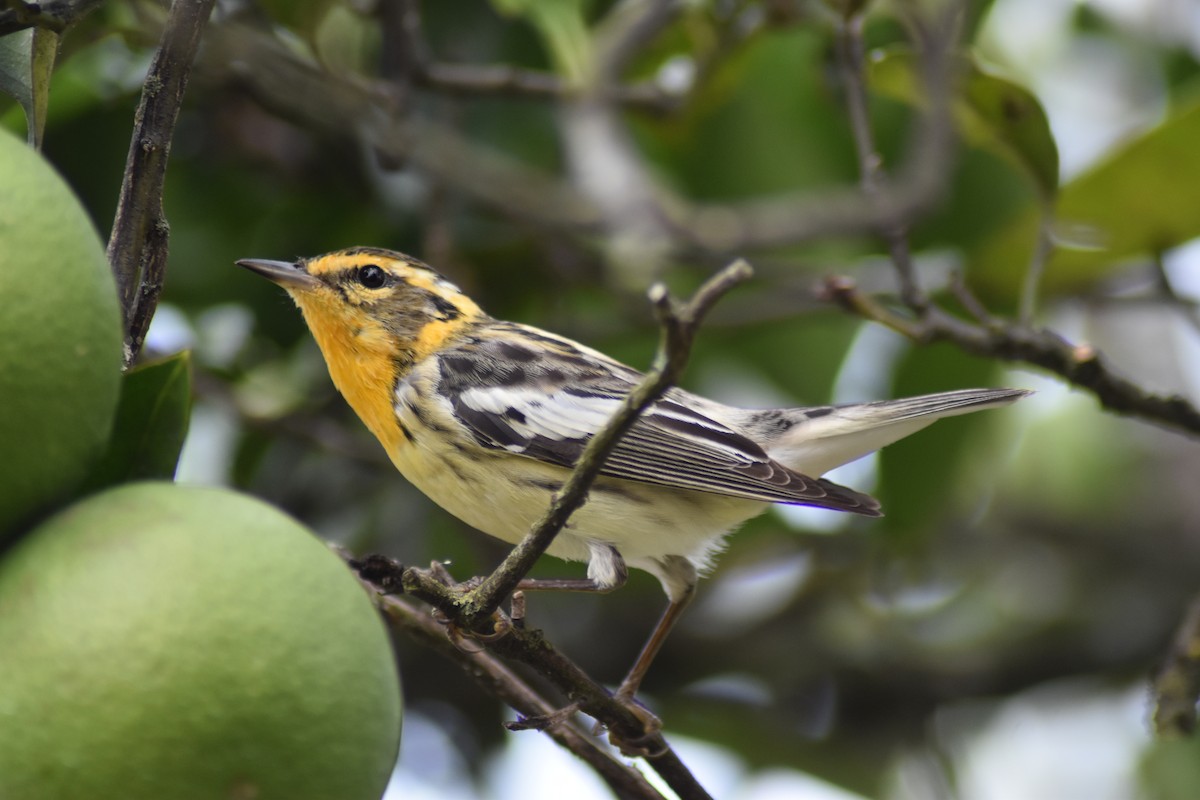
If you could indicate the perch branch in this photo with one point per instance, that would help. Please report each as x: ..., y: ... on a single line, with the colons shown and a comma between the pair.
x: 138, y: 245
x: 531, y: 648
x: 499, y: 681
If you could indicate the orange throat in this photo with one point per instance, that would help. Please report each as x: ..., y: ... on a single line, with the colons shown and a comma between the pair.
x: 362, y: 362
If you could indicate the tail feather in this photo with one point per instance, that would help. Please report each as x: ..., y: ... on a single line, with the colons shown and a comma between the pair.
x: 813, y: 441
x: 943, y: 404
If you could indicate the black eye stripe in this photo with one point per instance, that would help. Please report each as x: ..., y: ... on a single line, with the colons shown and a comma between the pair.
x: 372, y: 276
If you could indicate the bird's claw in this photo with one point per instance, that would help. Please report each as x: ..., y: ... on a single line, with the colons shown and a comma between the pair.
x: 464, y: 638
x: 645, y: 744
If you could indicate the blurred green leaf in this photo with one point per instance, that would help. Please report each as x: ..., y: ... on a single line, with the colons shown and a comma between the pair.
x: 563, y: 29
x: 1143, y: 199
x: 1140, y: 200
x: 750, y: 132
x: 990, y: 112
x: 347, y: 41
x: 26, y: 62
x: 300, y: 16
x: 151, y: 422
x: 1171, y: 770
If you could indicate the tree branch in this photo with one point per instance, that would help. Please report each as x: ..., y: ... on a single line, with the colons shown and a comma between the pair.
x: 501, y: 79
x: 137, y: 248
x: 531, y: 648
x: 1079, y: 364
x: 873, y: 178
x: 499, y: 681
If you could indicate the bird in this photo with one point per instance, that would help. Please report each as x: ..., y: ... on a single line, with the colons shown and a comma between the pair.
x: 488, y: 417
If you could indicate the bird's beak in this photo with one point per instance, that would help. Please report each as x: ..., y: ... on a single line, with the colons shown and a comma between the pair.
x: 287, y: 275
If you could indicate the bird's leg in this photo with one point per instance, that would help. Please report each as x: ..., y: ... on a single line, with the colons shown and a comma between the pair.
x: 606, y: 572
x: 516, y: 611
x: 633, y: 679
x: 566, y: 585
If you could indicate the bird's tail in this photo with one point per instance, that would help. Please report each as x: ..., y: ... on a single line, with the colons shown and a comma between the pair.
x: 819, y: 439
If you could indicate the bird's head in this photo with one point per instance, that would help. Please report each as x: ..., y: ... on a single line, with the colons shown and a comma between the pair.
x: 369, y: 299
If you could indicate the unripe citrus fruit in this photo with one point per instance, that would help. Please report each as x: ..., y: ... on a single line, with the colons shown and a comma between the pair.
x: 60, y: 337
x: 159, y: 641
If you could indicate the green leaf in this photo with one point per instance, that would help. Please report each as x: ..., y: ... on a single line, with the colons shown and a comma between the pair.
x: 991, y: 112
x: 1142, y: 199
x: 151, y: 422
x: 1170, y: 769
x: 563, y: 29
x: 26, y: 61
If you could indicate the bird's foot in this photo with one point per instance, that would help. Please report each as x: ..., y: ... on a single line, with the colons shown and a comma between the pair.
x: 648, y: 742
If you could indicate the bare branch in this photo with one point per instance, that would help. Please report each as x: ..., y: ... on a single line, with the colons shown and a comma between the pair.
x: 501, y: 79
x: 498, y: 680
x: 530, y: 647
x: 137, y: 248
x: 1078, y: 364
x: 872, y: 176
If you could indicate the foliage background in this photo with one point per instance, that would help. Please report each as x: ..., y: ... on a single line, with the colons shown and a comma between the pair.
x: 1033, y: 563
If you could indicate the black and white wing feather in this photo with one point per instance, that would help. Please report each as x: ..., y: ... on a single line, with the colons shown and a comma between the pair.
x: 537, y: 395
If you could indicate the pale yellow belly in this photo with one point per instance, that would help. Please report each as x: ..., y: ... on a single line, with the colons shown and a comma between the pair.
x: 504, y: 495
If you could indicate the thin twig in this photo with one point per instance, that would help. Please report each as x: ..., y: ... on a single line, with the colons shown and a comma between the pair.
x: 499, y: 681
x: 872, y: 176
x: 530, y: 647
x: 419, y: 66
x: 137, y: 248
x: 501, y: 79
x: 1079, y: 364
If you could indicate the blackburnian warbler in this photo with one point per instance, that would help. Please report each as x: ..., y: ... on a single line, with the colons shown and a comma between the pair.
x: 488, y: 417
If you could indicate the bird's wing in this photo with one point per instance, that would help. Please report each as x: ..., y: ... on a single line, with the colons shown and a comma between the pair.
x: 543, y: 397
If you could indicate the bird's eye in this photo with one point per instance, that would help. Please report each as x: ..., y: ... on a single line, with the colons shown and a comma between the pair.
x: 372, y: 276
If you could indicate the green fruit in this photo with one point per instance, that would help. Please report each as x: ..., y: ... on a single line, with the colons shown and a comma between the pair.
x: 60, y: 338
x: 159, y: 641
